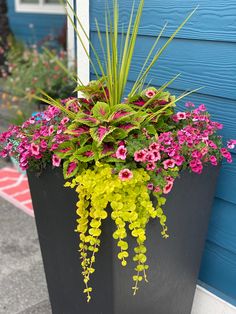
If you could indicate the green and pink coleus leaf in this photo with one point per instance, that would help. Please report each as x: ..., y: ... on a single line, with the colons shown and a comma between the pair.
x: 99, y: 133
x: 101, y: 111
x: 77, y: 130
x: 70, y: 168
x: 85, y: 153
x: 87, y: 119
x: 121, y: 112
x: 65, y: 149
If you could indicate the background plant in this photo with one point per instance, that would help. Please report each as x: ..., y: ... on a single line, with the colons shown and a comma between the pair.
x: 31, y: 70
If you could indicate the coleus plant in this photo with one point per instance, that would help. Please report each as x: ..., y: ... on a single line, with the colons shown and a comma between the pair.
x: 118, y: 152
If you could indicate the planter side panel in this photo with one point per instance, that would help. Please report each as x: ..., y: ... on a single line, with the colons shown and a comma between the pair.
x: 174, y: 263
x: 55, y: 214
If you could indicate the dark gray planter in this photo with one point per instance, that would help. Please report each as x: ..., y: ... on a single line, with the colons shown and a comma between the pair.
x: 174, y: 263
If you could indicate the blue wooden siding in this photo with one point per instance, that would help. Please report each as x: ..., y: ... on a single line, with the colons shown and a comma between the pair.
x: 43, y: 24
x: 205, y: 53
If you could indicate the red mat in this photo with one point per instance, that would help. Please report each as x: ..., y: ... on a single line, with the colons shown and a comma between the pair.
x: 15, y: 189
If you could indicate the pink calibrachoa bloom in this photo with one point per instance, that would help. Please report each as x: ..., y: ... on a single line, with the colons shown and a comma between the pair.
x: 157, y: 189
x: 56, y: 161
x: 34, y: 149
x: 181, y: 115
x: 150, y: 93
x: 121, y: 152
x: 168, y: 187
x: 213, y: 160
x: 151, y: 166
x: 154, y: 146
x: 231, y: 144
x: 50, y: 130
x: 202, y: 107
x: 65, y: 120
x: 150, y: 186
x: 140, y: 156
x: 169, y: 163
x: 125, y: 175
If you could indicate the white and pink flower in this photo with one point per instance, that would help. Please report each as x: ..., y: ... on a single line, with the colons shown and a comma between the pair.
x: 181, y: 115
x: 140, y: 156
x: 56, y: 161
x: 125, y: 175
x: 169, y: 163
x: 150, y: 93
x: 121, y: 152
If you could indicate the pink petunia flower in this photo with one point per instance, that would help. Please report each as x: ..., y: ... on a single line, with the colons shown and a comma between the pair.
x: 125, y: 175
x: 154, y: 146
x: 121, y: 152
x: 34, y: 149
x: 150, y: 186
x: 157, y: 189
x: 151, y: 166
x: 231, y: 144
x: 140, y: 156
x: 64, y: 120
x: 169, y: 163
x: 168, y: 187
x: 213, y: 160
x: 181, y: 115
x: 50, y: 130
x: 150, y: 93
x: 56, y: 161
x: 202, y: 108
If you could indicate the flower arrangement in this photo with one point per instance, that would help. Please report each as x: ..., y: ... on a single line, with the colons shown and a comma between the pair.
x: 122, y: 157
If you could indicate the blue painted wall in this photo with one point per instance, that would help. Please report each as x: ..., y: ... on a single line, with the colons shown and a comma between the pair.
x: 205, y: 53
x: 43, y: 24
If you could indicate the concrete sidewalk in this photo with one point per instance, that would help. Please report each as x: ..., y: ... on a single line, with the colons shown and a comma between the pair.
x: 22, y: 281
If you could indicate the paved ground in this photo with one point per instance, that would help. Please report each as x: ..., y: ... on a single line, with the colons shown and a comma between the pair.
x: 22, y: 281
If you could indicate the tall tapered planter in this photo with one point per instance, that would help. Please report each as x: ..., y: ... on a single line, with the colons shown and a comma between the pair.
x: 174, y: 263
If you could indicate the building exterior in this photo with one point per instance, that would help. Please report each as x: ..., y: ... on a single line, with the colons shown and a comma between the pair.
x: 34, y: 21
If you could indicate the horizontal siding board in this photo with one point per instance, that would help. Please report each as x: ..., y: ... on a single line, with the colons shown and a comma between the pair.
x: 213, y: 20
x: 221, y: 229
x: 218, y: 269
x: 201, y: 63
x: 226, y: 187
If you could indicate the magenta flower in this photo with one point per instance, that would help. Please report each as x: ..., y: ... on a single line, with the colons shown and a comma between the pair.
x: 56, y: 161
x: 65, y: 120
x: 213, y: 160
x: 181, y: 115
x: 202, y: 108
x: 150, y: 93
x: 150, y: 186
x: 168, y: 187
x: 154, y: 146
x: 140, y: 156
x: 34, y: 149
x: 169, y: 163
x: 231, y: 144
x: 50, y: 130
x: 151, y: 166
x: 157, y: 189
x: 125, y: 175
x: 121, y: 152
